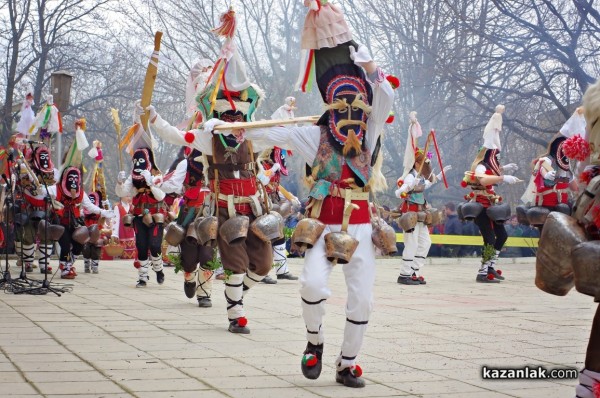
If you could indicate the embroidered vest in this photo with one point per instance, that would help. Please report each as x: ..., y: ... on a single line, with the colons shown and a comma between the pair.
x: 416, y: 197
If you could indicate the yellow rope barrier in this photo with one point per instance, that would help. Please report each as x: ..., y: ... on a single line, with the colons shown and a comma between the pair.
x: 466, y: 240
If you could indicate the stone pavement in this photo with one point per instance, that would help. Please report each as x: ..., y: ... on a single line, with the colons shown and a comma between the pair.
x: 108, y: 339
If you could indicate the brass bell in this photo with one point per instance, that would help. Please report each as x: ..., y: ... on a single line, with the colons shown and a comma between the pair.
x: 94, y: 233
x: 128, y: 220
x: 537, y: 215
x: 191, y: 236
x: 339, y: 247
x: 158, y: 218
x: 268, y: 227
x: 384, y: 237
x: 81, y: 235
x: 408, y: 221
x: 307, y: 233
x: 206, y: 230
x: 586, y: 268
x: 147, y: 219
x: 436, y: 216
x: 174, y: 233
x: 235, y: 230
x: 554, y: 263
x: 53, y: 232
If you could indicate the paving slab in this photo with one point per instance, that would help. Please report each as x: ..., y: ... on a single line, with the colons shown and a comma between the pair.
x: 106, y: 338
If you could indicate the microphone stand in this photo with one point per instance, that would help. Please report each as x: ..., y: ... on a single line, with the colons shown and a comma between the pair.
x: 7, y: 283
x: 45, y: 287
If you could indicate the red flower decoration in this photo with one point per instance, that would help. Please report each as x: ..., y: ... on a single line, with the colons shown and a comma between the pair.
x: 394, y: 81
x: 390, y: 118
x: 576, y: 148
x: 242, y: 321
x: 463, y: 184
x: 189, y: 137
x: 356, y: 370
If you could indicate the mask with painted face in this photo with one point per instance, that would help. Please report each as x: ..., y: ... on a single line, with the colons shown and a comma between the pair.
x: 279, y: 155
x: 70, y: 183
x: 94, y: 198
x: 141, y: 161
x: 42, y: 164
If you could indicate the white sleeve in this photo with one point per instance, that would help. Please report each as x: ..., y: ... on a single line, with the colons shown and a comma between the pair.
x: 126, y: 189
x: 383, y: 98
x: 158, y: 193
x: 116, y: 222
x: 175, y: 182
x: 304, y: 140
x: 89, y: 206
x: 410, y: 181
x: 202, y: 141
x: 52, y: 191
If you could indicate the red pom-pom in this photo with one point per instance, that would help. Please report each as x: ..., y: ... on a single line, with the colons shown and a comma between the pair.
x: 356, y: 370
x: 137, y: 264
x: 466, y: 197
x: 597, y: 390
x: 394, y: 81
x: 500, y: 199
x: 576, y: 148
x: 463, y: 184
x: 390, y: 118
x: 399, y: 182
x: 242, y: 321
x: 189, y: 137
x: 490, y: 276
x: 473, y: 178
x: 472, y: 195
x: 499, y: 272
x: 309, y: 360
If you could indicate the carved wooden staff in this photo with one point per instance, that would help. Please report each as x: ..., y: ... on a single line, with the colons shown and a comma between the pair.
x: 149, y: 81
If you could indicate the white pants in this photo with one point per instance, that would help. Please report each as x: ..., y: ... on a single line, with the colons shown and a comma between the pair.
x: 360, y: 277
x: 416, y: 248
x: 280, y: 259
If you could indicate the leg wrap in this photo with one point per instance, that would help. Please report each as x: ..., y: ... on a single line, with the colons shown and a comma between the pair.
x: 28, y: 251
x: 205, y: 282
x: 313, y: 312
x: 95, y: 264
x: 157, y: 263
x: 250, y: 280
x: 45, y: 250
x: 280, y: 259
x: 143, y: 270
x: 234, y: 296
x: 86, y: 264
x: 589, y: 383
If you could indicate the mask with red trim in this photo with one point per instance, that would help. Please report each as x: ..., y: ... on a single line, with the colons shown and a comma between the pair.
x: 557, y: 152
x: 70, y: 182
x: 141, y: 161
x: 42, y: 164
x: 94, y: 198
x: 491, y: 161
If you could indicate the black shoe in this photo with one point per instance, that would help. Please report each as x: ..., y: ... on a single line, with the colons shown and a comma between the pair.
x: 235, y: 327
x: 288, y: 275
x: 268, y: 280
x: 141, y: 283
x: 189, y: 288
x: 160, y: 278
x: 204, y: 302
x: 497, y: 274
x: 408, y: 280
x: 346, y: 378
x: 311, y: 361
x: 489, y: 278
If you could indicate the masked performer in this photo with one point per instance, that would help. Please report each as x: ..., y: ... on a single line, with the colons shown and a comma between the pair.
x: 32, y: 178
x: 340, y: 150
x: 484, y: 205
x: 229, y: 97
x: 148, y: 209
x: 93, y: 248
x: 418, y: 176
x: 552, y: 177
x: 70, y: 202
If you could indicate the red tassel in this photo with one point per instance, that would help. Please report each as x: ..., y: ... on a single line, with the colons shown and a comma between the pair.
x: 463, y: 184
x: 242, y: 321
x: 228, y: 23
x: 189, y: 137
x: 390, y: 118
x: 393, y: 80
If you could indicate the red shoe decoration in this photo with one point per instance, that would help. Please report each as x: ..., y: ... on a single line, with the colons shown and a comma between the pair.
x: 136, y: 264
x: 242, y: 321
x: 356, y: 370
x: 309, y: 360
x: 490, y: 276
x: 499, y: 272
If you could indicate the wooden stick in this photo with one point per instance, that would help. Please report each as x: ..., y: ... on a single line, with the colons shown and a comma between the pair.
x: 267, y: 123
x: 149, y: 81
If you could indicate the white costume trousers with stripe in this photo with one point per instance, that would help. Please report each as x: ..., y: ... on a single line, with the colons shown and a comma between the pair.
x: 416, y: 248
x: 360, y: 277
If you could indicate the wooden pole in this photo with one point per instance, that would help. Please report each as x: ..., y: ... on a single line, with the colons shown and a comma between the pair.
x: 267, y: 123
x: 149, y: 81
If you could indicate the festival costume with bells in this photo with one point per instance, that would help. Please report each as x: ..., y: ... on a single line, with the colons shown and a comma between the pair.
x: 185, y: 231
x: 416, y: 213
x: 70, y: 202
x: 552, y: 177
x: 34, y: 169
x: 272, y: 164
x: 569, y: 246
x: 147, y: 210
x: 236, y: 199
x: 340, y: 149
x: 484, y: 206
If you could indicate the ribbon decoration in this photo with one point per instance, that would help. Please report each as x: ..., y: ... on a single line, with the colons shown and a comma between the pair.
x: 437, y: 151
